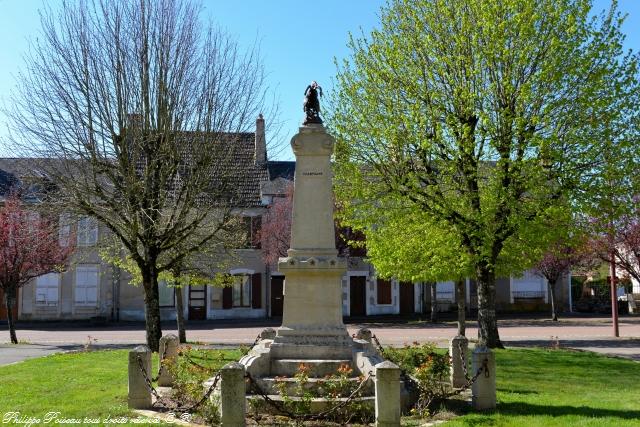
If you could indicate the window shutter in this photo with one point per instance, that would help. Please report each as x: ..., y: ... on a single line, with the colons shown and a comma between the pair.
x: 227, y: 297
x: 256, y: 290
x: 384, y: 291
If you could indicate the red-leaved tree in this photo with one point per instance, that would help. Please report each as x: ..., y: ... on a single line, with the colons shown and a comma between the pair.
x: 275, y: 233
x: 556, y: 263
x: 29, y: 247
x: 622, y: 243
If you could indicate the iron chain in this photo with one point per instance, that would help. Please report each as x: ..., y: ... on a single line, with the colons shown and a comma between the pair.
x: 159, y: 399
x: 164, y: 354
x: 254, y: 387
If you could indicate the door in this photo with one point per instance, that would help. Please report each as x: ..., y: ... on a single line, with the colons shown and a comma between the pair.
x: 197, y: 302
x: 407, y: 301
x: 277, y: 295
x: 358, y: 295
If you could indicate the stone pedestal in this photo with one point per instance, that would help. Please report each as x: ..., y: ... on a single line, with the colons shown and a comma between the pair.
x: 457, y: 350
x: 168, y: 354
x: 483, y: 390
x: 387, y: 385
x: 232, y: 395
x: 139, y: 396
x: 312, y: 325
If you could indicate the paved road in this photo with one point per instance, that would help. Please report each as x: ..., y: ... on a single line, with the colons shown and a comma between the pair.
x: 593, y: 334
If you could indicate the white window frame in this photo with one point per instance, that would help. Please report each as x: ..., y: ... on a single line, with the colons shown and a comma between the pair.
x: 48, y: 294
x: 81, y: 288
x: 87, y: 231
x: 242, y: 284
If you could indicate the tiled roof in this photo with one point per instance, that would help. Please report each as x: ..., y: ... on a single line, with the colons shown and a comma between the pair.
x: 236, y: 166
x: 240, y: 168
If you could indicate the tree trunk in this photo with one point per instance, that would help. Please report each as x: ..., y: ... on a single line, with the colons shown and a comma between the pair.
x: 487, y: 321
x: 9, y: 301
x: 552, y: 297
x: 152, y: 307
x: 182, y: 334
x: 460, y: 299
x: 434, y: 302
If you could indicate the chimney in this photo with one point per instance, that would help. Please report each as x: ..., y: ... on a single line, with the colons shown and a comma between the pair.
x: 261, y: 144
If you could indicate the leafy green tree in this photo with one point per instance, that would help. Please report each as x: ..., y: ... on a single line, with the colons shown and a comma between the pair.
x: 483, y: 116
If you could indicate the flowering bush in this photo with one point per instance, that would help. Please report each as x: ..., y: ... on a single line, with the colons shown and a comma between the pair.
x: 428, y: 368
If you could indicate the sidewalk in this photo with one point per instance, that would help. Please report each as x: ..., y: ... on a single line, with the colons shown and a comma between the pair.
x: 582, y: 333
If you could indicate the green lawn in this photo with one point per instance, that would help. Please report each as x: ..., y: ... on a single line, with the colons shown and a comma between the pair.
x: 90, y: 384
x: 536, y: 387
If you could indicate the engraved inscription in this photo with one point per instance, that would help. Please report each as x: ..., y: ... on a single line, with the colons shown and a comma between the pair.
x: 312, y: 173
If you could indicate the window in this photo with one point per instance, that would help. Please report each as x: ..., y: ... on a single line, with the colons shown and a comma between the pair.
x: 87, y: 231
x: 242, y: 291
x: 166, y: 294
x: 384, y: 292
x: 252, y: 226
x: 47, y: 289
x: 64, y: 230
x: 87, y: 285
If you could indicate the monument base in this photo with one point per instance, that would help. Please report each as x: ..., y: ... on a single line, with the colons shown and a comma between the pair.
x: 270, y: 363
x: 312, y: 343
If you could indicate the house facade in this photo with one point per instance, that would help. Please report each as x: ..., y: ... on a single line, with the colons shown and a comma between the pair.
x: 94, y: 289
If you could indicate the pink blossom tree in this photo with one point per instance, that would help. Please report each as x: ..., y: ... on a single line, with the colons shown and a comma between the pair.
x: 621, y: 244
x: 29, y: 247
x: 555, y: 264
x: 275, y: 233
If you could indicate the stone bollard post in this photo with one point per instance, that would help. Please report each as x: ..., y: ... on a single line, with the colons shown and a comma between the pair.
x: 168, y: 353
x: 483, y: 390
x: 139, y: 395
x: 232, y: 395
x: 387, y: 385
x: 458, y: 349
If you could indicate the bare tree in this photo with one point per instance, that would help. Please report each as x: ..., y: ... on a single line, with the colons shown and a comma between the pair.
x: 143, y: 107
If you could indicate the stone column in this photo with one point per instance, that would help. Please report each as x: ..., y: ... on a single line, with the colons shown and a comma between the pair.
x: 139, y: 396
x: 232, y: 395
x: 483, y: 390
x: 312, y: 314
x: 167, y: 354
x: 387, y: 385
x: 458, y: 349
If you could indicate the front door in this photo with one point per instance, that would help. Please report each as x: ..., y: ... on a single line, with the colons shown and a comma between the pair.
x: 197, y: 302
x: 407, y: 302
x: 277, y: 295
x: 3, y: 308
x: 358, y: 295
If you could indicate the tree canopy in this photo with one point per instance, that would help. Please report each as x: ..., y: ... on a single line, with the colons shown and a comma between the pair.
x: 141, y: 108
x: 484, y: 117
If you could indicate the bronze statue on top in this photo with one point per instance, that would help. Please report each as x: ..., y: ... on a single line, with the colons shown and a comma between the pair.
x: 311, y: 105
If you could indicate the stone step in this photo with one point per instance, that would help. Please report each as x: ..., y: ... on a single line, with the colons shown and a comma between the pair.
x: 316, y: 405
x: 315, y: 386
x: 317, y: 368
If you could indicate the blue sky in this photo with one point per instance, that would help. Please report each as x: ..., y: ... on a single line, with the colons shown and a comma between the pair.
x: 298, y: 42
